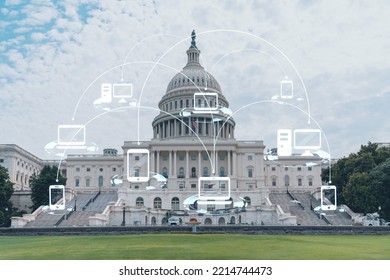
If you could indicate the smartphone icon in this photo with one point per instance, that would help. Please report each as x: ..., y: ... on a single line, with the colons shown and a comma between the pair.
x: 57, y: 197
x: 328, y: 198
x: 138, y: 165
x: 284, y: 142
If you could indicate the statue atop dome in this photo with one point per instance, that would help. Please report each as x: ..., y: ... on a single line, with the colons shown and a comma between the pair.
x: 193, y: 42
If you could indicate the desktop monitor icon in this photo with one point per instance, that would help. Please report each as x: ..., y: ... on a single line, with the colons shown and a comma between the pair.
x: 122, y: 91
x: 71, y: 135
x: 307, y: 139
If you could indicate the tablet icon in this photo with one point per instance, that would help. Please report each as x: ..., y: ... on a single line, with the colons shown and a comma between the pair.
x: 286, y: 89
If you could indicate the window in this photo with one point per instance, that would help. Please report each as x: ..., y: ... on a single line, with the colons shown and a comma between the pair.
x: 273, y: 168
x: 139, y: 202
x: 274, y: 182
x: 181, y: 172
x: 205, y: 172
x: 136, y: 172
x: 176, y: 104
x: 181, y: 157
x: 77, y: 182
x: 248, y: 201
x: 136, y: 187
x: 250, y: 157
x: 310, y: 182
x: 299, y: 168
x: 286, y: 168
x: 181, y: 103
x: 165, y: 158
x: 175, y: 203
x: 157, y: 203
x: 77, y: 169
x: 193, y: 172
x: 88, y: 169
x: 165, y: 172
x: 222, y: 172
x: 87, y: 182
x: 193, y: 157
x: 299, y: 181
x: 113, y: 169
x: 136, y: 158
x: 100, y: 181
x: 193, y: 186
x: 222, y: 157
x: 1, y: 160
x: 181, y: 186
x: 286, y: 181
x: 205, y: 157
x: 310, y: 168
x: 250, y: 172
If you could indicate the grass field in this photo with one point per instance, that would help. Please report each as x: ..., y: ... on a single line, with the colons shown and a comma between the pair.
x: 196, y: 247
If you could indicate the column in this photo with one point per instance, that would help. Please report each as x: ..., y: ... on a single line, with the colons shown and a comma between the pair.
x: 170, y: 164
x: 187, y: 165
x: 152, y: 163
x: 229, y: 171
x: 158, y: 162
x: 216, y: 163
x: 234, y: 164
x: 174, y: 164
x: 199, y: 164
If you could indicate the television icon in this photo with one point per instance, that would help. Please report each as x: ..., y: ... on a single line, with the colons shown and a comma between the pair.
x: 122, y: 91
x: 307, y: 139
x: 286, y: 89
x: 206, y: 102
x: 71, y: 136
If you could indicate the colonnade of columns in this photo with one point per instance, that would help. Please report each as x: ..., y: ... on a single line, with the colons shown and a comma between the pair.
x: 191, y: 126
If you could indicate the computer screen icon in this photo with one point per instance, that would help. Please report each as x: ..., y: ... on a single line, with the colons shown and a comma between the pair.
x: 122, y: 91
x: 206, y: 102
x: 307, y: 139
x: 73, y: 136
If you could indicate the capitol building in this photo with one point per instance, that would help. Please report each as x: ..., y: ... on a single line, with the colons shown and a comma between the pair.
x: 193, y: 150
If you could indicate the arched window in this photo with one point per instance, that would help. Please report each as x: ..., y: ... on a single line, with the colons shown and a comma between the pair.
x: 286, y: 181
x: 193, y: 172
x: 181, y: 172
x: 100, y: 181
x: 221, y: 221
x: 222, y: 171
x: 233, y: 220
x: 157, y: 203
x: 139, y: 202
x: 205, y: 171
x: 175, y: 203
x: 153, y: 221
x: 208, y: 221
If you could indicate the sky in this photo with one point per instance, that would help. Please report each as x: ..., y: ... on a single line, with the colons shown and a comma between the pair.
x: 55, y: 55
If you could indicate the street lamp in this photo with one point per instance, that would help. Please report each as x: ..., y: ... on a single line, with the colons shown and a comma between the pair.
x: 123, y: 220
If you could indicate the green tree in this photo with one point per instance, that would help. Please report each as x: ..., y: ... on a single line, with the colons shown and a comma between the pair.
x: 6, y: 191
x: 363, y: 179
x: 380, y: 184
x: 40, y: 184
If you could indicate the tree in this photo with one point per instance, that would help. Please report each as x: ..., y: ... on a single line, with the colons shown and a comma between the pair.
x: 6, y: 191
x: 40, y: 184
x: 363, y: 179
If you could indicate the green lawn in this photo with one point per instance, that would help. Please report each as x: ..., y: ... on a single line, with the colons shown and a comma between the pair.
x: 196, y: 247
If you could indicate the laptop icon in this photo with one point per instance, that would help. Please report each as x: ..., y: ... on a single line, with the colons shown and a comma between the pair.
x: 71, y: 137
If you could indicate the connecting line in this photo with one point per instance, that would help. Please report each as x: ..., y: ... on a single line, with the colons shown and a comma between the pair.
x: 129, y: 107
x: 296, y: 107
x: 254, y: 50
x: 140, y: 42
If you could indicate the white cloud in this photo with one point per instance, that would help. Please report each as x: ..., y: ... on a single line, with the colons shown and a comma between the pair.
x: 339, y: 49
